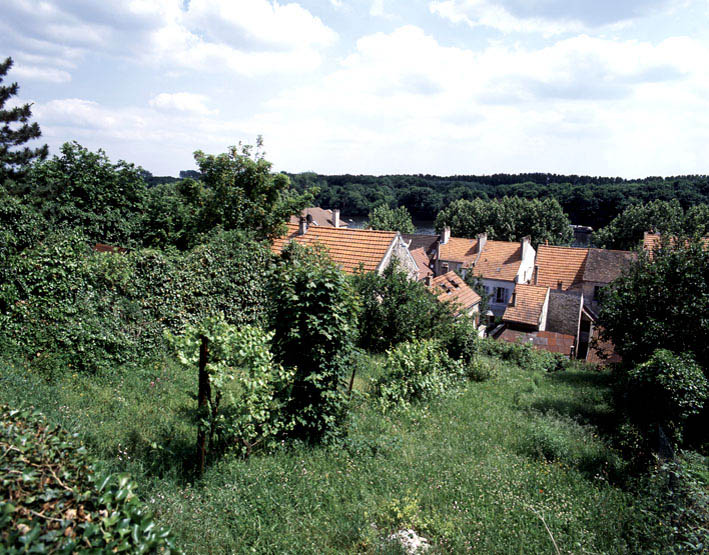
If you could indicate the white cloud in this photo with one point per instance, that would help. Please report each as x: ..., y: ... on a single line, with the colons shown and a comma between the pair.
x: 182, y: 102
x: 550, y: 17
x: 40, y: 73
x: 250, y: 37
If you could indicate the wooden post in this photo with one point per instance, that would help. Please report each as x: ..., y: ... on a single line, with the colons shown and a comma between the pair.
x: 349, y: 390
x: 203, y: 396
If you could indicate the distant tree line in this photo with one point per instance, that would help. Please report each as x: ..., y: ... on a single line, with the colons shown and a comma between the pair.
x: 592, y: 201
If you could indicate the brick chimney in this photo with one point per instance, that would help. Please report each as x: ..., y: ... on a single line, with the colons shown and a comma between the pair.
x: 336, y: 217
x: 445, y: 235
x: 303, y: 229
x: 482, y: 241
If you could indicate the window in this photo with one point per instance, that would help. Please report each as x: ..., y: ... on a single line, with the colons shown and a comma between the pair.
x: 596, y: 292
x: 500, y: 295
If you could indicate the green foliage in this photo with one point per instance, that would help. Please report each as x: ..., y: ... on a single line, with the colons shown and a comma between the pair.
x: 666, y: 390
x: 660, y: 301
x: 249, y: 391
x: 172, y: 214
x: 626, y: 230
x: 525, y: 356
x: 57, y: 500
x: 84, y: 190
x: 314, y: 321
x: 673, y: 507
x: 67, y: 307
x: 13, y: 161
x: 415, y: 371
x: 508, y: 219
x: 244, y: 194
x: 20, y: 227
x: 396, y: 309
x: 390, y: 219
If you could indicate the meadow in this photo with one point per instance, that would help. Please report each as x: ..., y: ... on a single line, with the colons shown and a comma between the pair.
x: 519, y: 463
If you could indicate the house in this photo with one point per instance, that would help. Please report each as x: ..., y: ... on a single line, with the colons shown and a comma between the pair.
x: 423, y: 262
x: 585, y: 271
x: 528, y: 308
x: 500, y: 264
x: 320, y: 217
x: 653, y: 241
x: 352, y: 249
x: 450, y: 288
x: 544, y: 340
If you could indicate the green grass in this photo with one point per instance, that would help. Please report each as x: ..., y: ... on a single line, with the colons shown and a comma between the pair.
x: 483, y: 469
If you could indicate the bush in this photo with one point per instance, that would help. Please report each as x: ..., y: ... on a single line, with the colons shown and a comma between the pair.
x: 524, y: 356
x: 247, y: 390
x: 58, y: 501
x: 314, y: 321
x: 665, y: 391
x: 396, y: 309
x: 673, y: 506
x: 415, y: 371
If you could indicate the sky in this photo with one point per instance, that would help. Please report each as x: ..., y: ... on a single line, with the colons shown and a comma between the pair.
x: 593, y: 87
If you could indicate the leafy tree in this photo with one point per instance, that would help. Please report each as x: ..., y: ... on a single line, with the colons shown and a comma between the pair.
x: 85, y: 190
x: 396, y: 309
x: 391, y: 219
x: 626, y: 230
x: 244, y: 194
x: 241, y: 389
x: 508, y: 219
x: 314, y: 322
x: 665, y: 391
x: 20, y: 226
x: 172, y: 214
x: 661, y: 301
x: 14, y: 162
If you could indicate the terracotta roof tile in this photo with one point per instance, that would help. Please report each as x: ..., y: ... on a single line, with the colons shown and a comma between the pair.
x: 652, y: 241
x: 348, y: 248
x: 604, y: 265
x: 423, y: 262
x: 451, y: 288
x: 321, y: 217
x: 459, y: 250
x: 499, y: 260
x: 529, y: 305
x: 563, y: 265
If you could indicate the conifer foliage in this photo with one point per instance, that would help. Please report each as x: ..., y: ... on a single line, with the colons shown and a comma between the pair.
x: 14, y: 158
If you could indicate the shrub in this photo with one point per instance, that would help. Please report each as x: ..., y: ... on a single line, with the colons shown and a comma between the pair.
x: 665, y: 391
x: 246, y: 390
x: 314, y: 321
x: 673, y: 508
x: 396, y: 309
x: 415, y: 371
x: 58, y: 501
x: 525, y: 356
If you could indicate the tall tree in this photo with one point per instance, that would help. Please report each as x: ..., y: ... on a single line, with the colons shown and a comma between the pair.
x: 391, y: 219
x: 16, y: 131
x: 244, y: 194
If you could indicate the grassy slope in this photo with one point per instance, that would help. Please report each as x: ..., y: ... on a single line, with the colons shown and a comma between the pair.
x: 478, y: 470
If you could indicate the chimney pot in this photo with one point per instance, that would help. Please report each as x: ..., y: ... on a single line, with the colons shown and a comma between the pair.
x: 303, y: 226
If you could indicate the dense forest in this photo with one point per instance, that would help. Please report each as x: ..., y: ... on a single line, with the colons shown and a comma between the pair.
x: 590, y: 201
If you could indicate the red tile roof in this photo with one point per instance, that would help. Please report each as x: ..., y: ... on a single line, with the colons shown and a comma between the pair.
x: 450, y: 288
x: 348, y: 248
x: 459, y: 250
x: 529, y: 305
x: 544, y: 340
x: 423, y: 262
x: 499, y: 260
x: 652, y: 241
x: 320, y: 217
x: 563, y: 265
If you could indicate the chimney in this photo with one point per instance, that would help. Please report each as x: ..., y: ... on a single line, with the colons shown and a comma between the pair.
x: 482, y: 241
x: 428, y: 280
x: 535, y: 279
x: 336, y: 217
x: 513, y: 300
x: 303, y: 226
x: 445, y: 235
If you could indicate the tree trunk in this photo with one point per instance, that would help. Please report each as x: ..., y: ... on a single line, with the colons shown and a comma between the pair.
x: 203, y: 398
